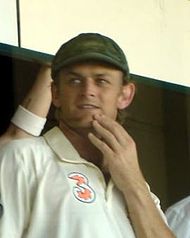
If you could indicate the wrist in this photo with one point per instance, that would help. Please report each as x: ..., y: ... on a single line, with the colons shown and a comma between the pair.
x: 28, y: 121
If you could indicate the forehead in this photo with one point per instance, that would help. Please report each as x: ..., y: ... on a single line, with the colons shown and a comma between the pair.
x: 91, y: 67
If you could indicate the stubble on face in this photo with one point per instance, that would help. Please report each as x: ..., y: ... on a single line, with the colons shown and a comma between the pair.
x: 86, y: 90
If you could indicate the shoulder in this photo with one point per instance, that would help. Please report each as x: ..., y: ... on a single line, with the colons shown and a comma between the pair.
x: 178, y: 217
x: 179, y: 211
x: 23, y: 150
x: 181, y: 205
x: 22, y: 144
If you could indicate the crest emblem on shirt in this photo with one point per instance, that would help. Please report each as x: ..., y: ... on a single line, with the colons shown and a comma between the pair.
x: 82, y: 190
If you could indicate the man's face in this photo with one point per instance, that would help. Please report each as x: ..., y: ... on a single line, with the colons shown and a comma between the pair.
x: 85, y: 90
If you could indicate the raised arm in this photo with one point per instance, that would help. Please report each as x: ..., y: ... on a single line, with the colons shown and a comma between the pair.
x: 30, y: 116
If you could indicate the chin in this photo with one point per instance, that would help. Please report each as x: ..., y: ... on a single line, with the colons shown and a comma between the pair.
x: 86, y: 124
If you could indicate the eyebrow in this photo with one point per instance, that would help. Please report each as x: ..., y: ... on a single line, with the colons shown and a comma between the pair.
x: 73, y: 73
x: 82, y: 76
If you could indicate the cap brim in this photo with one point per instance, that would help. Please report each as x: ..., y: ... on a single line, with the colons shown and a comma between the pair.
x: 89, y: 56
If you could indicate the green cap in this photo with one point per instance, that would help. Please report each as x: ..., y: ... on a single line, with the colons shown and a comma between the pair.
x: 89, y: 46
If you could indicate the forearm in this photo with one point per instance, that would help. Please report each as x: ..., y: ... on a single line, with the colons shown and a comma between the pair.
x: 30, y: 117
x: 145, y: 217
x: 38, y: 99
x: 121, y: 160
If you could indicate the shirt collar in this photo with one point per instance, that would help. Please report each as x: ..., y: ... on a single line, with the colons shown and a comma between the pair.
x: 64, y: 149
x: 62, y: 146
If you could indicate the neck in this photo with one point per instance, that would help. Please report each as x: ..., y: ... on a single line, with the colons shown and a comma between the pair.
x: 79, y: 139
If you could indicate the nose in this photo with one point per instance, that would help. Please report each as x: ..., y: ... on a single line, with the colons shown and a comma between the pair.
x: 88, y: 88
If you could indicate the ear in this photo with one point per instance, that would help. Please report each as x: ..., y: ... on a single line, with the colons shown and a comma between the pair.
x: 55, y: 95
x: 127, y: 95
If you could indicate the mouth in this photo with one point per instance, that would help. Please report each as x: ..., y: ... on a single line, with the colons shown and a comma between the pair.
x: 88, y: 106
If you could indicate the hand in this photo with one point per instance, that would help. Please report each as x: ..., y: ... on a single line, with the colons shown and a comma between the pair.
x: 120, y: 157
x: 119, y: 152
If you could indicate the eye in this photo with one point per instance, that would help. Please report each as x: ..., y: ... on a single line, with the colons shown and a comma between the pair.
x: 102, y: 81
x: 75, y: 81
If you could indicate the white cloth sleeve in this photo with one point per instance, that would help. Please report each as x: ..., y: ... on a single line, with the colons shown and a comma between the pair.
x: 179, y: 219
x: 15, y: 192
x: 28, y: 121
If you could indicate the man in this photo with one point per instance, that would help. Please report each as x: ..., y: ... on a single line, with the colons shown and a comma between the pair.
x: 178, y: 216
x: 81, y: 179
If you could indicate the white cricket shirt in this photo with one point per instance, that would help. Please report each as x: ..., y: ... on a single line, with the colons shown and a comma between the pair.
x: 178, y: 217
x: 48, y: 191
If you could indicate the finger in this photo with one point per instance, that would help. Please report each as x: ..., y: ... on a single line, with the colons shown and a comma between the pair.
x: 99, y: 144
x: 106, y: 136
x: 114, y: 128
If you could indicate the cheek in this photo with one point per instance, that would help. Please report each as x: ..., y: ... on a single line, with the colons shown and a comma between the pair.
x: 112, y: 99
x: 111, y: 103
x: 67, y: 101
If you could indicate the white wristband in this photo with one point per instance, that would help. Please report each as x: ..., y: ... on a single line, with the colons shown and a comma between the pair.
x: 28, y: 121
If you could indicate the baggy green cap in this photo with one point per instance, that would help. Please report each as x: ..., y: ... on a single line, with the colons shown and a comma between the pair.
x: 89, y: 46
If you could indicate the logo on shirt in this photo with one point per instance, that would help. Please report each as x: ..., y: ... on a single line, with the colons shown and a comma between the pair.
x: 82, y: 191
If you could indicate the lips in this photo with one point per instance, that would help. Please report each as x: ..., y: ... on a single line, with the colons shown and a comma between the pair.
x: 87, y: 106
